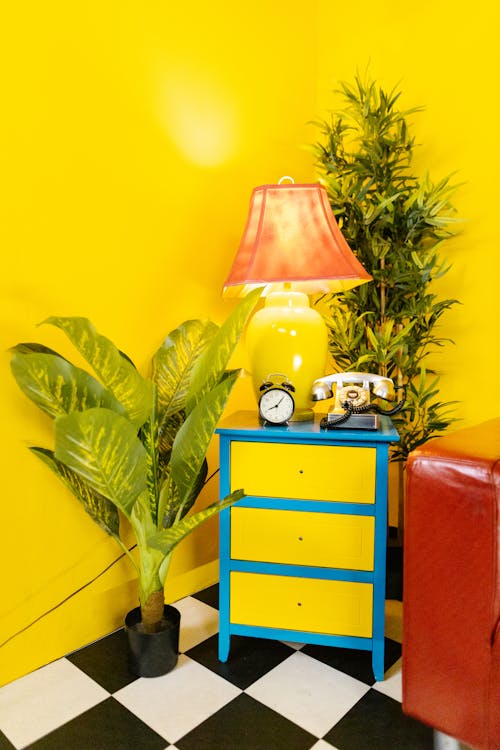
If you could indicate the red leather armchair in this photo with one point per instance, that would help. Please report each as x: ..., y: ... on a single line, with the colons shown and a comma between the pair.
x: 451, y: 599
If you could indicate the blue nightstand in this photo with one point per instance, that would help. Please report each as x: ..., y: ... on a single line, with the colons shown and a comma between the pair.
x: 303, y: 555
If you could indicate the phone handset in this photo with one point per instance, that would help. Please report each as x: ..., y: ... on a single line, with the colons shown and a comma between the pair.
x: 352, y: 395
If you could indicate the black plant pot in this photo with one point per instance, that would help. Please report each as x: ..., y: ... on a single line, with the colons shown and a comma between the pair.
x: 153, y: 654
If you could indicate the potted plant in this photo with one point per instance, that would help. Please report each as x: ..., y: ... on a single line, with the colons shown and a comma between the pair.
x: 136, y: 446
x: 396, y: 224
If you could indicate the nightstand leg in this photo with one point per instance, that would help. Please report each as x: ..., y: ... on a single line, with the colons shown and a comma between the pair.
x: 224, y: 644
x: 378, y: 642
x: 224, y: 584
x: 378, y: 660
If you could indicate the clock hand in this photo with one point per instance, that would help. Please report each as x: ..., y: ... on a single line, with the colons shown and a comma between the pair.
x: 279, y: 402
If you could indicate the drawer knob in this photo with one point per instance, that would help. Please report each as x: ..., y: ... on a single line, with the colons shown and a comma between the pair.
x: 301, y: 539
x: 299, y: 604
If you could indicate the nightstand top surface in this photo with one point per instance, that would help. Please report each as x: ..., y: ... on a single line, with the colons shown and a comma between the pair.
x: 246, y: 424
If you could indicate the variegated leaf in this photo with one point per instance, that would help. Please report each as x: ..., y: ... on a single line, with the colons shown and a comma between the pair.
x: 152, y: 559
x: 167, y: 539
x: 167, y: 431
x: 33, y: 348
x: 101, y: 510
x: 190, y: 500
x: 193, y: 438
x: 214, y: 360
x: 170, y: 499
x: 103, y: 448
x: 149, y: 439
x: 112, y: 367
x: 58, y: 387
x: 174, y: 361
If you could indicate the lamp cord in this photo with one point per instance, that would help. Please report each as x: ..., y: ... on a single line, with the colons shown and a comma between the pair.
x: 83, y: 587
x: 66, y: 599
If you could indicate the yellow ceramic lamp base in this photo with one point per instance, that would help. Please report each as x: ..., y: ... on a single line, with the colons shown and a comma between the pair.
x: 290, y: 338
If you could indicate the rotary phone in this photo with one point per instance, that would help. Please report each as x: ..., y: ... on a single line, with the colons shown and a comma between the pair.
x: 353, y: 405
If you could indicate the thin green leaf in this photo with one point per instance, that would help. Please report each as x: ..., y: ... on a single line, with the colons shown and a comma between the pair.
x: 372, y: 338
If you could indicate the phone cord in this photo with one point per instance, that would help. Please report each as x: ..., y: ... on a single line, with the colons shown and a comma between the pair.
x: 329, y: 424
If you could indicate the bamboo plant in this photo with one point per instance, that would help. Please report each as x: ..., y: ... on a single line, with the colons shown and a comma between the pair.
x: 136, y: 446
x: 396, y: 223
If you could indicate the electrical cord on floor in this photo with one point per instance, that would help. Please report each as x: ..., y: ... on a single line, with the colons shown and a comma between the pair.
x: 66, y: 599
x: 82, y: 588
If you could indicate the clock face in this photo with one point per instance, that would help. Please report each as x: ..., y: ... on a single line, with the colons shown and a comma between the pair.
x: 276, y: 405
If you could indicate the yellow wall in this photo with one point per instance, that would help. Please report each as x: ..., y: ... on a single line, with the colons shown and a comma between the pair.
x: 132, y: 135
x: 445, y: 56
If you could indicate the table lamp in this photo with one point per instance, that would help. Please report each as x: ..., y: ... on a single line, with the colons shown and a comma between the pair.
x: 292, y: 246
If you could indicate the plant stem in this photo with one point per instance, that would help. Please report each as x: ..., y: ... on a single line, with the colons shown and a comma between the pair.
x: 152, y: 612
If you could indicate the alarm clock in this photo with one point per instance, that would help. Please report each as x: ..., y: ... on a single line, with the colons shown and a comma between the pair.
x: 276, y: 403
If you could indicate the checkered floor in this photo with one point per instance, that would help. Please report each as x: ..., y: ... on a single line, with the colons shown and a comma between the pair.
x: 269, y: 696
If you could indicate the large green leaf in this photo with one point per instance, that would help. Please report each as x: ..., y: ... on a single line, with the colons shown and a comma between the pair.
x: 172, y: 367
x: 102, y: 447
x: 33, y: 348
x: 101, y: 510
x: 196, y: 488
x: 193, y: 438
x: 170, y: 500
x: 211, y: 365
x: 151, y: 559
x: 58, y: 387
x: 174, y: 361
x: 167, y: 539
x: 112, y: 367
x: 167, y: 431
x: 149, y: 439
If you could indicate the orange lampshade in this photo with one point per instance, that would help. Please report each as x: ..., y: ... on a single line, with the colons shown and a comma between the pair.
x: 291, y: 235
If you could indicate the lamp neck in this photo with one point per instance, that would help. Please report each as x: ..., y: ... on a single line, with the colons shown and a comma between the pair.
x: 287, y: 298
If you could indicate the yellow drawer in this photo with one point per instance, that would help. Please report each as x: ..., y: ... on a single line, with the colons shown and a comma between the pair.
x: 315, y: 606
x: 320, y: 472
x: 301, y: 538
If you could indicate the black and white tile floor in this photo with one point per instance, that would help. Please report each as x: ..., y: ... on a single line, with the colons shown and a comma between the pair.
x: 269, y: 696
